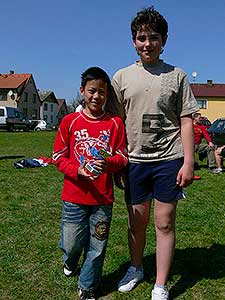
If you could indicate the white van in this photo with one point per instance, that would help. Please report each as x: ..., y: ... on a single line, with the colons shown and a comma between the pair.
x: 12, y: 118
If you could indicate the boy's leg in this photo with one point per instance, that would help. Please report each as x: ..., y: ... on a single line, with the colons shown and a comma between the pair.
x: 164, y: 216
x: 168, y: 192
x: 74, y: 232
x: 138, y: 191
x: 99, y: 224
x: 138, y: 218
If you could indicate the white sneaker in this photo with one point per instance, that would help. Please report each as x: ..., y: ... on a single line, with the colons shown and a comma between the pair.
x: 215, y: 170
x: 67, y: 272
x: 159, y: 293
x: 130, y: 280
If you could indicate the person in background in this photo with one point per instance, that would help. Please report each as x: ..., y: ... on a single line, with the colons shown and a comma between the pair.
x: 205, y: 150
x: 220, y: 152
x: 89, y: 147
x: 157, y: 104
x: 80, y: 107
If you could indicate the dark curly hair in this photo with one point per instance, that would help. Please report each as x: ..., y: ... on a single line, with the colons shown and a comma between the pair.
x: 151, y: 18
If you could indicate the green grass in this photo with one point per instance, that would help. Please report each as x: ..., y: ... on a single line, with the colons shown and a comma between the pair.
x: 31, y: 263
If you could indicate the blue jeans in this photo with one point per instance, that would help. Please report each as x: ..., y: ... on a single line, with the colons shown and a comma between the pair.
x: 85, y: 227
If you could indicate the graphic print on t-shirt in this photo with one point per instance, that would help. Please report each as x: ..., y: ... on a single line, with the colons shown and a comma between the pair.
x: 152, y: 126
x: 87, y: 148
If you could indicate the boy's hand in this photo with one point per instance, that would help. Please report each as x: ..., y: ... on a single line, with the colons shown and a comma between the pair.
x: 185, y: 175
x: 120, y: 180
x: 100, y: 165
x: 81, y: 172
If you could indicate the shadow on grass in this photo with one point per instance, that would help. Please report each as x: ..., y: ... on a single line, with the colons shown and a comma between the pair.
x: 191, y: 265
x: 195, y: 264
x: 110, y: 281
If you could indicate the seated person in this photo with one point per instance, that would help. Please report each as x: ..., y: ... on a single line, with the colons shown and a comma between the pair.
x: 220, y: 152
x: 205, y: 150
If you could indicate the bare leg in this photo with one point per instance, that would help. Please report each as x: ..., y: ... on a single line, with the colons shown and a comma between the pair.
x: 138, y: 218
x: 165, y: 215
x: 219, y: 158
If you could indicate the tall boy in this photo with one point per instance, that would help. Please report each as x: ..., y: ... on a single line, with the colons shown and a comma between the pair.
x: 157, y: 102
x: 89, y: 146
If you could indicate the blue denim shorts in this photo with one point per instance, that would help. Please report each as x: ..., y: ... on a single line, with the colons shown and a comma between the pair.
x: 145, y: 181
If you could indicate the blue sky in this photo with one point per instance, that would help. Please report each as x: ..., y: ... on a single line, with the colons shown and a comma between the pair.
x: 57, y: 40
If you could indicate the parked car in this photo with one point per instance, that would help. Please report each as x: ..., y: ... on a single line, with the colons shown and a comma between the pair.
x: 38, y: 125
x: 217, y: 132
x: 205, y: 122
x: 12, y: 118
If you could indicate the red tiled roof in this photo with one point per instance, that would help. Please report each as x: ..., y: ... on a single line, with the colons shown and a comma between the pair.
x: 205, y: 90
x: 9, y: 81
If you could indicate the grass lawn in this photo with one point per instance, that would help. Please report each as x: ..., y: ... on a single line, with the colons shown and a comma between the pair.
x: 31, y: 263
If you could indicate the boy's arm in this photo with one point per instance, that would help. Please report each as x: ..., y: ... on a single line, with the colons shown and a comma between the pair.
x: 119, y: 158
x: 114, y: 104
x: 185, y: 175
x: 60, y: 156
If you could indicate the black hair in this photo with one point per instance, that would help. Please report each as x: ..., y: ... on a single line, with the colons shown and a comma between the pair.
x: 195, y: 115
x: 94, y: 73
x: 151, y: 18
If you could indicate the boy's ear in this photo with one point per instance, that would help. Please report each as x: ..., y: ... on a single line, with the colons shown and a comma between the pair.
x: 81, y: 90
x: 134, y: 43
x: 164, y: 39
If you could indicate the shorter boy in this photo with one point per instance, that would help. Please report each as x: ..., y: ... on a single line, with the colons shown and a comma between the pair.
x: 89, y: 146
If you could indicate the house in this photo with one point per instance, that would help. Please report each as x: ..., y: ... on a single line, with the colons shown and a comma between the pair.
x: 49, y: 107
x: 62, y: 109
x: 19, y: 91
x: 211, y: 99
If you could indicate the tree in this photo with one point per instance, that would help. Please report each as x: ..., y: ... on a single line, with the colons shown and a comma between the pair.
x: 76, y: 101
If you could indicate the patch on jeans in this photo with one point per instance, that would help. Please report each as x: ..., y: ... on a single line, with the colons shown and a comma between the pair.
x: 101, y: 230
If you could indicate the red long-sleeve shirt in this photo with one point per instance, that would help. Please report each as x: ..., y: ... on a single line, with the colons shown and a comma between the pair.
x: 200, y: 132
x: 79, y: 138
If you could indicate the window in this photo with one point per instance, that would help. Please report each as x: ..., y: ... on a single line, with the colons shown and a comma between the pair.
x: 34, y: 113
x: 51, y: 119
x: 3, y: 96
x: 25, y: 111
x: 46, y: 118
x: 202, y: 103
x: 25, y: 97
x: 34, y: 98
x: 220, y: 125
x: 45, y: 106
x: 51, y: 107
x: 2, y: 112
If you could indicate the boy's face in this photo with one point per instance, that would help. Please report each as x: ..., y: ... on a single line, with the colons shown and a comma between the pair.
x: 197, y: 118
x: 95, y: 94
x: 148, y: 44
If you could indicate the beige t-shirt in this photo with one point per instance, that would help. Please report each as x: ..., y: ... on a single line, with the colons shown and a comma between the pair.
x: 152, y: 99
